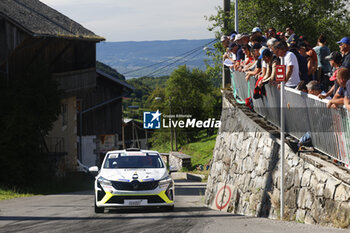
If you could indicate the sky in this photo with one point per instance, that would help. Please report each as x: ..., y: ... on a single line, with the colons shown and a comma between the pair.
x: 141, y: 20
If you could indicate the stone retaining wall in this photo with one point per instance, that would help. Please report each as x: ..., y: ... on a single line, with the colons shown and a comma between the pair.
x: 247, y: 158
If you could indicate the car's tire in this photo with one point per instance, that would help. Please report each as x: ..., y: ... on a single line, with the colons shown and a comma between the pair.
x: 99, y: 210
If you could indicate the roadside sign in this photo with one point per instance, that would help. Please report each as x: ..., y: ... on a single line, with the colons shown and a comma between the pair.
x: 223, y: 197
x: 280, y: 73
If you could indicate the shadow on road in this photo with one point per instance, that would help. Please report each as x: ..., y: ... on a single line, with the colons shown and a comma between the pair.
x: 157, y: 210
x: 189, y: 191
x: 106, y: 216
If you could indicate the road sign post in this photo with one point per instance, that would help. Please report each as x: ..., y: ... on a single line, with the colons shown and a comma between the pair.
x: 281, y: 77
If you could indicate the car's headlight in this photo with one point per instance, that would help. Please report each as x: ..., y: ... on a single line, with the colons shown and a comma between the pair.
x: 165, y: 182
x: 104, y: 181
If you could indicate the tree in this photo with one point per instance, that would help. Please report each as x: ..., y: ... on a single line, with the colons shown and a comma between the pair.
x: 29, y: 107
x: 308, y: 17
x: 185, y: 89
x: 187, y: 92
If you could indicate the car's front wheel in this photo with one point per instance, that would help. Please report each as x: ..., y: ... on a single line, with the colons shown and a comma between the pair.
x: 99, y: 210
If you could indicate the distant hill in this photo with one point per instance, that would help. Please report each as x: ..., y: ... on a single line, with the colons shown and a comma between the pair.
x: 129, y: 56
x: 109, y: 70
x: 151, y: 82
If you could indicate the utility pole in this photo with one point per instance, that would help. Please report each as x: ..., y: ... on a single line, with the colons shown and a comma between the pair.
x: 171, y: 127
x: 225, y: 71
x: 236, y: 16
x: 227, y: 9
x: 133, y: 136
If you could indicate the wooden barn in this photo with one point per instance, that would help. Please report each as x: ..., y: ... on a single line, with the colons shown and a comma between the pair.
x: 33, y: 33
x: 101, y: 117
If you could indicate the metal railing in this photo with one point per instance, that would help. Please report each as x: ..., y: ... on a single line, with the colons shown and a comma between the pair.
x: 329, y: 128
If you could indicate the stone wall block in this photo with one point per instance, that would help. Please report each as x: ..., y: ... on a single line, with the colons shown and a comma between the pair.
x: 297, y: 176
x: 253, y: 174
x: 320, y: 190
x: 343, y: 214
x: 220, y: 155
x: 300, y: 215
x: 342, y: 193
x: 263, y: 165
x: 256, y: 156
x: 232, y: 142
x: 295, y: 161
x: 291, y: 199
x: 318, y: 212
x: 249, y: 165
x: 309, y: 219
x: 261, y: 144
x: 313, y: 183
x: 289, y: 178
x: 267, y: 152
x: 305, y: 198
x: 320, y: 176
x: 330, y: 187
x: 253, y: 146
x: 305, y: 180
x: 290, y: 155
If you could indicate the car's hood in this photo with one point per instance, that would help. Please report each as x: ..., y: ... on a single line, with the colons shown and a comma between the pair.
x: 131, y: 174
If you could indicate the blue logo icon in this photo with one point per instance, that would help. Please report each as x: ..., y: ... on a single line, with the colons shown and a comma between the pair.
x: 151, y: 120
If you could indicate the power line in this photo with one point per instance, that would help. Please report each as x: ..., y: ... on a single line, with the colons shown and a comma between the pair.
x: 167, y: 60
x: 178, y: 59
x: 197, y: 53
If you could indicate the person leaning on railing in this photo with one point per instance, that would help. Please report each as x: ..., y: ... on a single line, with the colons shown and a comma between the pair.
x: 272, y: 60
x: 240, y: 39
x: 344, y: 82
x: 248, y: 61
x: 334, y: 59
x: 314, y: 88
x: 257, y: 68
x: 343, y: 78
x: 267, y: 57
x: 288, y: 59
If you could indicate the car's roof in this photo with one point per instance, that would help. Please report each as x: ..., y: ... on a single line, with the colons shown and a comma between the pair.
x: 120, y: 151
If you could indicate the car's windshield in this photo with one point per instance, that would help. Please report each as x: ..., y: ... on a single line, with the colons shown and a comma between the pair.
x: 122, y: 160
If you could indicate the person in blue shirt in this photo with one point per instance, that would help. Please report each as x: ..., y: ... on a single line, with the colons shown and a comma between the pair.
x: 344, y: 47
x: 323, y: 66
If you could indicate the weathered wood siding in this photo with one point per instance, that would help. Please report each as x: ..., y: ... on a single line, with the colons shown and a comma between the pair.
x: 10, y: 38
x: 107, y: 119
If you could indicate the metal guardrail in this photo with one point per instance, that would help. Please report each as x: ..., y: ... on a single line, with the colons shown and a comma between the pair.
x: 329, y: 128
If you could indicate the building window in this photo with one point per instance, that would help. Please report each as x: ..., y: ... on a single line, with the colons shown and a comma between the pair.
x: 64, y: 114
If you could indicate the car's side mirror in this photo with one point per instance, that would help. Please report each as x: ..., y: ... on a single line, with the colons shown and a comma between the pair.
x: 172, y: 169
x: 93, y: 170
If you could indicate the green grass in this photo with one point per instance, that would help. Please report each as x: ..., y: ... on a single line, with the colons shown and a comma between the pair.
x: 201, y: 151
x: 164, y: 148
x: 72, y: 182
x: 9, y: 194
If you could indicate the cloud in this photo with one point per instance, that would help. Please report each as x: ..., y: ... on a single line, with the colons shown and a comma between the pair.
x: 121, y: 20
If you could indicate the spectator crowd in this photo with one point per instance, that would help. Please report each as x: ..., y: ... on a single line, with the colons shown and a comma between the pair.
x: 312, y: 69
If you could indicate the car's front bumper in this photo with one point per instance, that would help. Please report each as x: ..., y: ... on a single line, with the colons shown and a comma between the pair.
x: 110, y: 197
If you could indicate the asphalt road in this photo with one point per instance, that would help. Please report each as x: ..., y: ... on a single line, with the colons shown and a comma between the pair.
x: 74, y: 212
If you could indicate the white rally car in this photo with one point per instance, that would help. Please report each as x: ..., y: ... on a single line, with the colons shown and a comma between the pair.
x: 133, y: 177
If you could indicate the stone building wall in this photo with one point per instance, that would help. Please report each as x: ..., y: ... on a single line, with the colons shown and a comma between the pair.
x: 247, y: 158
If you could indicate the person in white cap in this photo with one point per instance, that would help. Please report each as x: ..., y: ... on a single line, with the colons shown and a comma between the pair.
x: 258, y: 32
x: 241, y: 39
x: 225, y: 40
